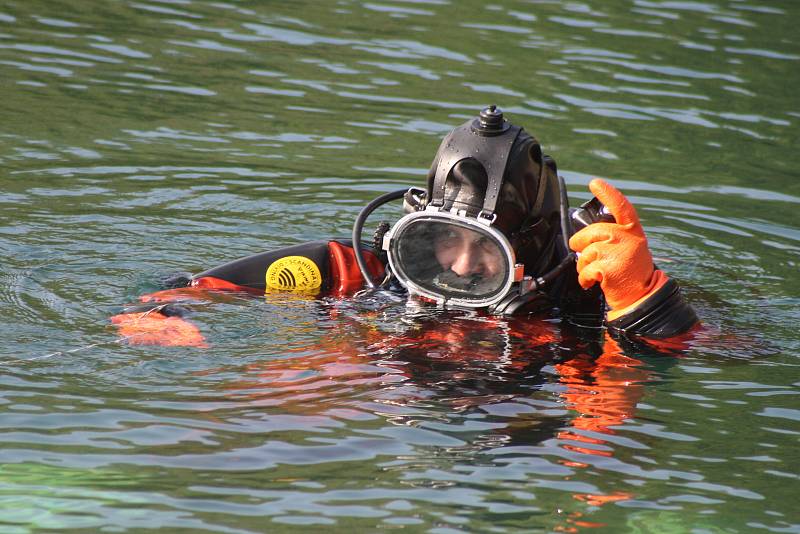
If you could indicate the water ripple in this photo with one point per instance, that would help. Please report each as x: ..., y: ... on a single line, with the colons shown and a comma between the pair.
x: 150, y: 138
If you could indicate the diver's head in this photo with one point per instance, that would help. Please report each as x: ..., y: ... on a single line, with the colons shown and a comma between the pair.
x: 515, y: 170
x: 489, y: 215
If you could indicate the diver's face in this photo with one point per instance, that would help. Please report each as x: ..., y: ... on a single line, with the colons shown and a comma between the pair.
x: 467, y: 253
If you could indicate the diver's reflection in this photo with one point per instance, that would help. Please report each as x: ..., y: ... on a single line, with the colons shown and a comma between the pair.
x: 473, y: 360
x: 450, y: 365
x: 464, y: 360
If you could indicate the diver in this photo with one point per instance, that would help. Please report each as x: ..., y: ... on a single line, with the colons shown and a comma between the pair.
x: 492, y: 231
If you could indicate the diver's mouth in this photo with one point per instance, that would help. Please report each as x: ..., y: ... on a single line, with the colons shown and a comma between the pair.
x: 450, y: 280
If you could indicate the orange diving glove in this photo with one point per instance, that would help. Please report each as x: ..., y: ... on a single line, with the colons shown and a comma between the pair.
x: 153, y: 328
x: 616, y: 254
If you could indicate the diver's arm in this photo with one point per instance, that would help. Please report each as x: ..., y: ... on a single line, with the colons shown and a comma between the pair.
x: 643, y: 300
x: 310, y: 268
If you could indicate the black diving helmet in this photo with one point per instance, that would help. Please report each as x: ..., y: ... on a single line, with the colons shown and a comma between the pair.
x: 484, y: 231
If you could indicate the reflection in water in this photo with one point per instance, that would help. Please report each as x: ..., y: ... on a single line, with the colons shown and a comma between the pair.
x: 442, y: 370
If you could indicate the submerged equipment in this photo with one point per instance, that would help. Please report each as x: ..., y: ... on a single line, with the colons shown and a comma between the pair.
x: 484, y: 232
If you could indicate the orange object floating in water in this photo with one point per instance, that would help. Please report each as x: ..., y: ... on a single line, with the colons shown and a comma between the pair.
x: 154, y: 328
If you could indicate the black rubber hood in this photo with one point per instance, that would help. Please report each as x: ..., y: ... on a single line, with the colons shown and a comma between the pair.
x: 490, y: 168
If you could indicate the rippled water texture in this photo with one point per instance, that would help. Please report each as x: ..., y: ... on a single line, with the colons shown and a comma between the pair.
x: 144, y: 138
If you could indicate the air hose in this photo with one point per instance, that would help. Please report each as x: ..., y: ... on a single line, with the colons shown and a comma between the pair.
x: 358, y: 227
x: 566, y: 232
x: 566, y: 221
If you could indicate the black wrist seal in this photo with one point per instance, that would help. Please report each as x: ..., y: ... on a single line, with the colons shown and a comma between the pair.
x: 666, y: 313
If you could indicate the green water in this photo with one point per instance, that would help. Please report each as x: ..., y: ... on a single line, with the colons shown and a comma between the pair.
x: 140, y: 139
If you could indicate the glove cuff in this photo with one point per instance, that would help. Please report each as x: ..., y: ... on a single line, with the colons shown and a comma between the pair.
x: 662, y: 313
x: 657, y: 281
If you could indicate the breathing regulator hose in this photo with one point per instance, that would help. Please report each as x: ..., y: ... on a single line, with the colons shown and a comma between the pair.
x: 566, y: 221
x: 566, y: 232
x: 358, y: 227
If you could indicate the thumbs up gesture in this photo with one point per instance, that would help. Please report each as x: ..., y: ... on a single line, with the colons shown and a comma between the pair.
x: 616, y: 255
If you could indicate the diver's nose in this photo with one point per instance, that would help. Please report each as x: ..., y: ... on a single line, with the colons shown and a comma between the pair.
x: 465, y: 264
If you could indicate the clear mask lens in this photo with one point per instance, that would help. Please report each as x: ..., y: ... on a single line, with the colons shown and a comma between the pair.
x: 448, y: 259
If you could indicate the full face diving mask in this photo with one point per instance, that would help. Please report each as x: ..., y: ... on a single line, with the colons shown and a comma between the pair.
x: 452, y: 253
x: 452, y: 259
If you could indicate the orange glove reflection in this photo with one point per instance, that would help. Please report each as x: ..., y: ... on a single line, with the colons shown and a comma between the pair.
x: 604, y: 393
x: 616, y: 254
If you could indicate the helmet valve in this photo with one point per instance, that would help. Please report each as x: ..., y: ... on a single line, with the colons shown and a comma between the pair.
x: 490, y: 122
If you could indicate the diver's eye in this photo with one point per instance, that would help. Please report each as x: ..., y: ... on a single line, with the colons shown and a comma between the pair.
x: 447, y: 238
x: 484, y: 243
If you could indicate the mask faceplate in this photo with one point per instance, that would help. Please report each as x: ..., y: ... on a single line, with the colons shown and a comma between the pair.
x: 451, y: 259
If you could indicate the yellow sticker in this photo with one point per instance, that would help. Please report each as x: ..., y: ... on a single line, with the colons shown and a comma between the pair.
x: 294, y: 273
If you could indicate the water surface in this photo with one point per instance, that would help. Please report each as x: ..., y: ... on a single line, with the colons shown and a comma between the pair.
x: 140, y: 139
